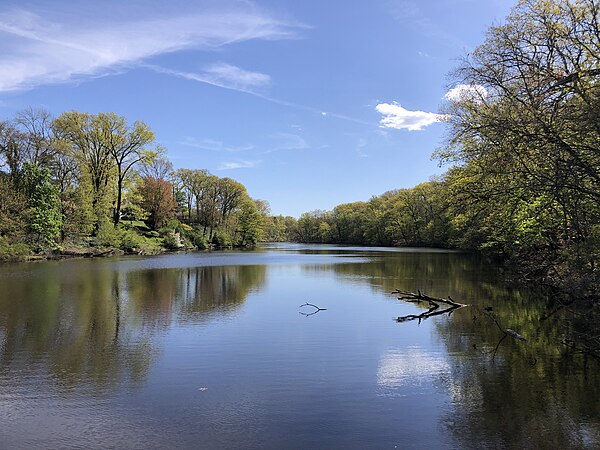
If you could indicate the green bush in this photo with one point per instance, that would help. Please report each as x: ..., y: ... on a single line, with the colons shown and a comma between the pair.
x: 222, y: 239
x: 131, y: 242
x: 172, y: 241
x: 172, y: 225
x: 108, y: 235
x: 197, y: 239
x: 13, y: 251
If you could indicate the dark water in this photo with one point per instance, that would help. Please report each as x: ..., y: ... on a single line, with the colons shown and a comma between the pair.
x: 210, y: 351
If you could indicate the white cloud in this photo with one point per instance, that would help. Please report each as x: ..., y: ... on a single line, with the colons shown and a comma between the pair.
x: 473, y: 92
x: 395, y: 116
x: 232, y: 75
x: 240, y: 164
x: 222, y: 75
x: 36, y: 51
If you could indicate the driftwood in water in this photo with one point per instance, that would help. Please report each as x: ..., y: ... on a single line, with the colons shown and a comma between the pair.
x: 434, y: 304
x: 316, y: 309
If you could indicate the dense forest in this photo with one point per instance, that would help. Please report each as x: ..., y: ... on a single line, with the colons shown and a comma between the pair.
x: 523, y: 184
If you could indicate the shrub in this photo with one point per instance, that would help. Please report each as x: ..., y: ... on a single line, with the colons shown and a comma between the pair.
x: 13, y: 251
x: 108, y: 235
x: 222, y: 239
x: 131, y: 242
x: 196, y: 238
x: 172, y: 241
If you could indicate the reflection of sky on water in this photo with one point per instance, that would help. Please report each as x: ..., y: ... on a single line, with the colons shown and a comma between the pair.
x: 414, y: 366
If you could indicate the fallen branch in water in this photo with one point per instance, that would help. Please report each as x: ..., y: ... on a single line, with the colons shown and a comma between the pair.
x: 317, y: 309
x: 507, y: 332
x: 433, y: 302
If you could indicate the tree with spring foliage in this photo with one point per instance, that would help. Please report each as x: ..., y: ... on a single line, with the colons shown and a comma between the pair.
x: 44, y: 219
x: 126, y: 145
x: 525, y: 132
x: 106, y: 148
x: 156, y: 197
x: 83, y: 133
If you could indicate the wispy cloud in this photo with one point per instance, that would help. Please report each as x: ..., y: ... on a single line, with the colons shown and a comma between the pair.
x: 395, y: 116
x: 409, y: 12
x: 360, y: 148
x: 240, y: 164
x: 238, y: 79
x: 213, y: 145
x: 288, y: 141
x: 36, y: 51
x: 222, y: 75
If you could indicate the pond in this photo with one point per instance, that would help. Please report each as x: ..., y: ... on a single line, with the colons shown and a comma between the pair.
x: 211, y: 350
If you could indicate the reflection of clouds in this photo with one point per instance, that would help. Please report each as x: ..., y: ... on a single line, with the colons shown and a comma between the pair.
x: 409, y: 367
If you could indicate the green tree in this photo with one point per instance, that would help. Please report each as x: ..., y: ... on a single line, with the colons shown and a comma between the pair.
x: 44, y: 217
x: 12, y: 218
x: 250, y: 223
x: 524, y: 129
x: 126, y: 145
x: 84, y: 133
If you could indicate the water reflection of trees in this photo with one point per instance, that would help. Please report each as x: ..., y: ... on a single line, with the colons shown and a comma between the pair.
x: 438, y: 274
x: 94, y: 324
x: 534, y: 394
x: 74, y: 325
x: 190, y: 293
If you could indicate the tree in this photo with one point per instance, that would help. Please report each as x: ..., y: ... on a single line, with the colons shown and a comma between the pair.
x: 44, y: 219
x: 10, y: 149
x: 525, y: 131
x: 251, y: 222
x: 230, y: 195
x: 157, y: 199
x: 310, y: 227
x: 158, y: 166
x: 12, y: 217
x: 349, y: 223
x: 126, y: 145
x: 84, y: 133
x: 37, y: 137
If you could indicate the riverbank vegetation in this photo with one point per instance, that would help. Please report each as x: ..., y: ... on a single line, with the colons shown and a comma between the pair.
x: 88, y: 184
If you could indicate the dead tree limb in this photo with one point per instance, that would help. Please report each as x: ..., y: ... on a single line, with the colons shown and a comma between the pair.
x: 316, y: 309
x: 419, y: 297
x: 433, y: 302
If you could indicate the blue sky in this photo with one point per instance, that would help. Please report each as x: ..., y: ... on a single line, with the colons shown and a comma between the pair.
x: 308, y: 103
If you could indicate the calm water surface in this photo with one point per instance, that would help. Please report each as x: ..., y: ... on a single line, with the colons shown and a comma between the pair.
x: 210, y: 350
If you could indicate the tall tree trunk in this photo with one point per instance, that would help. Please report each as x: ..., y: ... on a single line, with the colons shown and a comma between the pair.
x: 117, y: 214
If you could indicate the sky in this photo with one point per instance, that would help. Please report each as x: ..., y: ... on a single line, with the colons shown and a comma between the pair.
x: 309, y: 104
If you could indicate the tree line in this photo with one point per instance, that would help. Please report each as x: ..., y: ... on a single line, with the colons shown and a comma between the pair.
x: 523, y: 186
x: 93, y: 179
x: 524, y: 143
